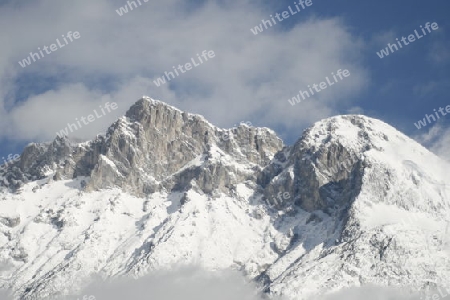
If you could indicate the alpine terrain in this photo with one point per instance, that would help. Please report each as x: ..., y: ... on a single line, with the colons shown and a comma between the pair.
x: 353, y: 202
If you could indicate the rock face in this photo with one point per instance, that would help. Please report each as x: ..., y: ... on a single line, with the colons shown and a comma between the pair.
x: 144, y: 152
x: 352, y: 202
x: 154, y: 142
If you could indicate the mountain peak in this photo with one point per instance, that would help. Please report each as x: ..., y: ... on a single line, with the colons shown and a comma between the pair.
x: 360, y: 133
x: 145, y: 105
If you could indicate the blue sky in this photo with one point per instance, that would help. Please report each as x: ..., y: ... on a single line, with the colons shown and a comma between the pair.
x: 250, y: 79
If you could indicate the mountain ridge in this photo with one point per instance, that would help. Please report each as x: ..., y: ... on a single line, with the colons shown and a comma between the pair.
x: 163, y: 187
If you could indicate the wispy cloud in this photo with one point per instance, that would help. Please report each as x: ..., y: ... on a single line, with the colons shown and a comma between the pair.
x: 437, y: 139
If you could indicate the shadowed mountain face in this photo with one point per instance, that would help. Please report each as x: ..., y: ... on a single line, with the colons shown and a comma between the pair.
x: 352, y: 202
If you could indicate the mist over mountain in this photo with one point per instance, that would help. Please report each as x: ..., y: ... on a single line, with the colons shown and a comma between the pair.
x: 352, y: 203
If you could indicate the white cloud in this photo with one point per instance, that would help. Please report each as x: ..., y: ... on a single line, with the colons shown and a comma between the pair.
x: 195, y: 283
x: 441, y: 145
x: 5, y: 266
x: 5, y: 295
x: 186, y: 283
x: 251, y: 77
x: 192, y: 283
x: 437, y: 140
x: 373, y: 293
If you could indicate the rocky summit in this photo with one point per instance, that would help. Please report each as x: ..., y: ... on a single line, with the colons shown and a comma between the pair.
x: 353, y: 202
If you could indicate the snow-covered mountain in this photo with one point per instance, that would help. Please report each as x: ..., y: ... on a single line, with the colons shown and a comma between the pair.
x: 352, y: 202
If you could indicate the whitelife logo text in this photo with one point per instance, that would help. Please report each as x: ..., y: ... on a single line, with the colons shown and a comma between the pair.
x: 411, y: 38
x: 9, y: 160
x: 86, y: 120
x: 281, y: 17
x: 187, y: 66
x: 423, y: 123
x: 319, y: 87
x: 124, y: 9
x: 53, y: 47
